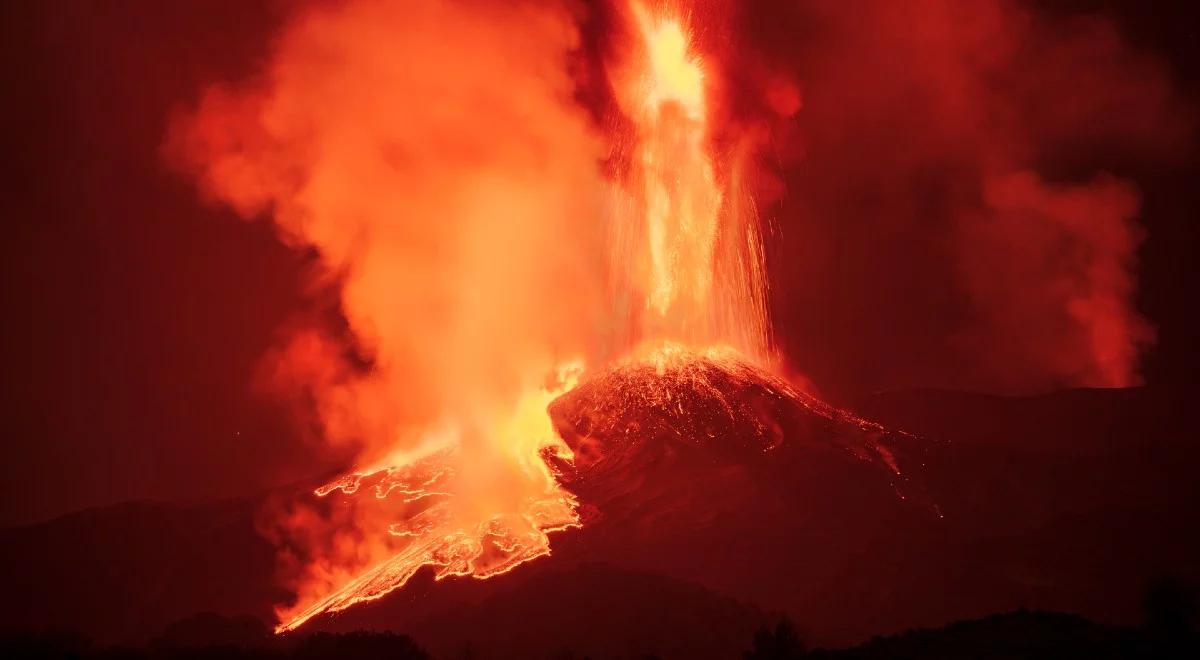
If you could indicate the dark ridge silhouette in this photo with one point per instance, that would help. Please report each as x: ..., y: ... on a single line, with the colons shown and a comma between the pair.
x: 1170, y: 607
x: 592, y: 610
x: 122, y: 573
x: 777, y: 643
x: 210, y: 629
x: 1032, y: 520
x: 211, y: 637
x: 1019, y: 635
x: 1016, y: 635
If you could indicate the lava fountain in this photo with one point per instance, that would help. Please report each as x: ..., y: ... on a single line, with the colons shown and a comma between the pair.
x: 687, y: 253
x: 451, y: 196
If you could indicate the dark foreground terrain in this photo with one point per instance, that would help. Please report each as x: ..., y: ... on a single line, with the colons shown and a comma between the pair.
x: 1017, y: 635
x: 1078, y: 502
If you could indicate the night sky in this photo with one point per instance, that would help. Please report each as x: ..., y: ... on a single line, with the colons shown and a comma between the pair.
x: 138, y: 313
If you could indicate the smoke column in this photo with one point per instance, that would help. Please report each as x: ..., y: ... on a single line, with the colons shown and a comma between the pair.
x: 432, y: 155
x: 962, y: 202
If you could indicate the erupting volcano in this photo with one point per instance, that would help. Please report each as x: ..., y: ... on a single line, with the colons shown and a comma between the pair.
x: 562, y: 351
x: 601, y: 328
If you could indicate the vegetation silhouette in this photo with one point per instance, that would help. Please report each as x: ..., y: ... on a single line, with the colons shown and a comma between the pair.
x: 778, y: 643
x: 1019, y: 635
x: 1169, y: 633
x: 213, y: 637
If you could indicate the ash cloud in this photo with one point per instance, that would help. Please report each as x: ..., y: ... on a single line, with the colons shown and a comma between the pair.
x: 432, y: 157
x: 957, y: 208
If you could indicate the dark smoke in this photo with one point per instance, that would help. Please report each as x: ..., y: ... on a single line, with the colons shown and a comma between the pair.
x: 958, y: 209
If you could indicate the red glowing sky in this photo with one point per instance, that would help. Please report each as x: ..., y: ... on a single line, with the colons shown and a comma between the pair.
x: 947, y: 177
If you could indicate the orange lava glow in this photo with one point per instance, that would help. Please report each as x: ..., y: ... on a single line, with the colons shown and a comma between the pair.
x: 432, y: 156
x: 687, y: 250
x: 462, y: 528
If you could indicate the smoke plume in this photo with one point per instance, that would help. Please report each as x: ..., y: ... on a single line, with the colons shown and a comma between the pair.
x: 959, y: 207
x: 432, y: 156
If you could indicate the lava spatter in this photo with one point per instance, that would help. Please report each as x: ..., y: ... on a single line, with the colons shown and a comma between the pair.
x: 706, y: 404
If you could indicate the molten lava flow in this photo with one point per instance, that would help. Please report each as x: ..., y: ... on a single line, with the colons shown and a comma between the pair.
x: 455, y: 530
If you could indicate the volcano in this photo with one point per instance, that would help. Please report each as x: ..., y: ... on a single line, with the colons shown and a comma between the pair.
x: 698, y: 470
x: 683, y: 407
x: 574, y: 364
x: 1031, y: 520
x: 661, y: 450
x: 705, y: 467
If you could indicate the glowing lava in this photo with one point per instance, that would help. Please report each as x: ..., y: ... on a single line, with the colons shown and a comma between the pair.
x: 686, y: 264
x: 687, y: 252
x: 452, y: 528
x: 682, y: 402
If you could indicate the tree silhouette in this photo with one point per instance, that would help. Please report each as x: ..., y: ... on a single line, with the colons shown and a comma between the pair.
x: 782, y: 643
x: 1170, y: 611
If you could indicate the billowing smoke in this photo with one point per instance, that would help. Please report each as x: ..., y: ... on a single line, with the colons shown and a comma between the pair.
x: 959, y: 206
x: 433, y: 157
x: 1049, y: 272
x: 431, y: 154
